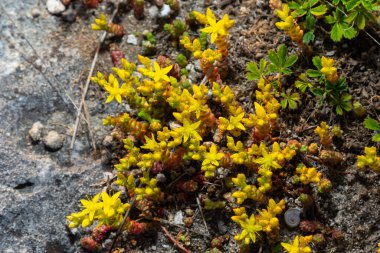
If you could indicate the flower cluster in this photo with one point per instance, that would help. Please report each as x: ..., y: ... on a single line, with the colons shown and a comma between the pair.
x: 108, y: 211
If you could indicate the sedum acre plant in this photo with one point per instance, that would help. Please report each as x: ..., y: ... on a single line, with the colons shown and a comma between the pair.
x: 181, y: 138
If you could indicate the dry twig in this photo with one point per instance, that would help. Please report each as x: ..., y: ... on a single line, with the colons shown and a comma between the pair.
x: 84, y: 92
x: 174, y: 240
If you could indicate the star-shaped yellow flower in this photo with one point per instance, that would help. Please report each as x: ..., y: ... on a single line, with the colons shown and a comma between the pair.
x: 212, y: 157
x: 112, y: 87
x: 160, y: 74
x: 189, y: 130
x: 214, y: 28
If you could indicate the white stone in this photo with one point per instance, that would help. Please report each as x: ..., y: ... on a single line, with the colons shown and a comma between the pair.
x: 55, y: 6
x: 178, y: 218
x: 131, y: 39
x: 153, y: 12
x: 165, y: 11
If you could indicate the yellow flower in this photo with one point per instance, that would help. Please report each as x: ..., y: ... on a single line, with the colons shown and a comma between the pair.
x: 327, y: 66
x: 101, y: 23
x: 161, y: 73
x: 249, y: 230
x: 189, y: 130
x: 91, y: 206
x: 214, y: 28
x: 300, y: 245
x: 112, y: 87
x: 235, y: 122
x: 284, y: 13
x: 212, y: 157
x: 268, y: 160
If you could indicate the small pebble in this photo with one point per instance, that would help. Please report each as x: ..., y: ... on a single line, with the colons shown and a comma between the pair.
x: 153, y: 12
x: 131, y: 39
x: 35, y: 132
x: 165, y: 11
x: 178, y: 218
x: 53, y: 141
x: 161, y: 178
x: 293, y: 217
x: 55, y: 7
x: 107, y: 141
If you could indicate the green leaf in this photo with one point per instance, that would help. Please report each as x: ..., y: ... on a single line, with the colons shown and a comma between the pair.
x: 308, y: 37
x: 263, y: 64
x: 339, y: 110
x: 284, y: 103
x: 319, y: 10
x: 349, y: 33
x: 376, y: 137
x: 335, y: 2
x: 282, y: 52
x: 292, y: 104
x: 310, y: 22
x: 272, y: 68
x: 254, y: 72
x: 360, y: 21
x: 302, y: 85
x: 312, y: 3
x: 351, y: 4
x: 317, y: 62
x: 371, y: 124
x: 330, y: 19
x: 346, y: 105
x: 336, y: 32
x: 291, y: 60
x: 317, y: 92
x: 313, y: 73
x: 298, y: 13
x: 351, y: 17
x: 273, y: 58
x: 367, y: 4
x: 294, y: 5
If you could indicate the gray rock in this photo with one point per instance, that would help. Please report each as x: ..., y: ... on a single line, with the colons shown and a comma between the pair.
x: 55, y: 7
x: 35, y: 132
x: 131, y: 39
x: 53, y: 141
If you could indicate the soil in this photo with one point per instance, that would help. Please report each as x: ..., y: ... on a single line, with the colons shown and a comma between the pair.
x: 36, y: 200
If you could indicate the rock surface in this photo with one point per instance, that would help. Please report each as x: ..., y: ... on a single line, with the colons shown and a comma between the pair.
x: 38, y: 189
